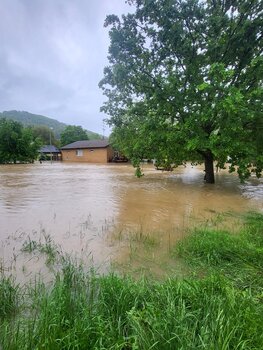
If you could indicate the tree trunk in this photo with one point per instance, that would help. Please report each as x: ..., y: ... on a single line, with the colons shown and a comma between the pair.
x: 209, y: 168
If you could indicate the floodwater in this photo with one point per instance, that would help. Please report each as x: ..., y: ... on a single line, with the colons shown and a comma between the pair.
x: 103, y: 212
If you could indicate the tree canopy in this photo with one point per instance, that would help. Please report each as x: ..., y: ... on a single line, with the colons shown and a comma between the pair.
x: 45, y: 134
x: 73, y: 133
x: 17, y: 143
x: 184, y: 82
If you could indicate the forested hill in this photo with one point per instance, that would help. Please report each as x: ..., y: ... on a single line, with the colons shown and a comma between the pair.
x: 27, y: 119
x: 34, y: 119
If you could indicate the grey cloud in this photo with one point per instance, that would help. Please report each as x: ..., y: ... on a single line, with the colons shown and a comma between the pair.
x: 52, y: 55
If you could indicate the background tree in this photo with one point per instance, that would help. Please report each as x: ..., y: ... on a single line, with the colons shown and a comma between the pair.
x: 73, y: 133
x: 185, y: 82
x: 17, y: 143
x: 44, y: 133
x: 28, y: 146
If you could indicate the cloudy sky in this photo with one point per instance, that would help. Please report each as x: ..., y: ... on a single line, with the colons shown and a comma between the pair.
x: 52, y: 55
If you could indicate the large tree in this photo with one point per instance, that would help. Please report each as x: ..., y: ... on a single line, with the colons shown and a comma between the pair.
x: 17, y: 143
x: 184, y: 82
x: 73, y: 133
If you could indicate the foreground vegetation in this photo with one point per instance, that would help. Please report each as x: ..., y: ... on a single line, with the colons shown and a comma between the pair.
x: 218, y: 307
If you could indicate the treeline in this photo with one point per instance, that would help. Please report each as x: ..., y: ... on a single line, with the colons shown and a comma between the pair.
x: 70, y: 134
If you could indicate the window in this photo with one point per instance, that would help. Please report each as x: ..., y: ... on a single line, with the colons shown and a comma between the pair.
x: 79, y: 152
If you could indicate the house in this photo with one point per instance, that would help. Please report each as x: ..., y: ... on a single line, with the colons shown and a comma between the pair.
x: 89, y: 151
x: 48, y: 151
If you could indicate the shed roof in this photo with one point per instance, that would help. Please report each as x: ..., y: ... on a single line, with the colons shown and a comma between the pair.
x: 49, y: 149
x: 87, y: 144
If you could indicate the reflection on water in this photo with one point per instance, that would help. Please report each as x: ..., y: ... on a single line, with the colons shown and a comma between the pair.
x: 83, y: 206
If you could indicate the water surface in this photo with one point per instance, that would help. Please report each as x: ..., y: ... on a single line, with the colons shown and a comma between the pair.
x: 101, y: 210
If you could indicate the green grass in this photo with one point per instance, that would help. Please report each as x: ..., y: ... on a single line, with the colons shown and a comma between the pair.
x: 29, y: 246
x: 253, y: 228
x: 219, y: 308
x: 148, y: 240
x: 9, y: 296
x: 83, y: 311
x: 239, y: 257
x: 47, y: 248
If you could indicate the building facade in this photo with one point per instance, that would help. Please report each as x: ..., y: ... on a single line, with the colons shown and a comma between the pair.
x: 88, y: 151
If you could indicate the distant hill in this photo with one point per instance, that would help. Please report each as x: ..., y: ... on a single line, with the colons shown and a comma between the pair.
x: 28, y: 119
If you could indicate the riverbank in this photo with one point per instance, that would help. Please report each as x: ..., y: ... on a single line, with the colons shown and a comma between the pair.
x: 216, y: 306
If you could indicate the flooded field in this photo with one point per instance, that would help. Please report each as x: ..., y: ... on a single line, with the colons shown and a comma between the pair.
x: 107, y: 216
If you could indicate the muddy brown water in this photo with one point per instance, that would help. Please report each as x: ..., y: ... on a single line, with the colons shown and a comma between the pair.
x: 104, y: 213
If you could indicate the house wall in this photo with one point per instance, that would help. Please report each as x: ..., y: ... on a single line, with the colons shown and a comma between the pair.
x: 110, y: 153
x: 94, y: 155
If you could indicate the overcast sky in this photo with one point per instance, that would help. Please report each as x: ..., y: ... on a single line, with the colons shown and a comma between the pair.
x: 52, y: 55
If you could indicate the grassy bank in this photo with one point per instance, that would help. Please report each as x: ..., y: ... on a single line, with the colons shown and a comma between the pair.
x: 218, y: 307
x: 238, y: 257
